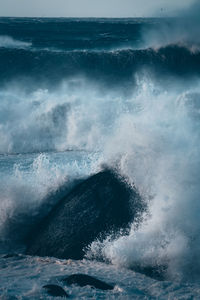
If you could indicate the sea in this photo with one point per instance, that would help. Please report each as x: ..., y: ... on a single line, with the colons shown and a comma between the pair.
x: 80, y: 94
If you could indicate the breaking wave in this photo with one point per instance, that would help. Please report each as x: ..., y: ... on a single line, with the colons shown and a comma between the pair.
x: 9, y: 42
x: 46, y: 68
x: 161, y: 159
x: 135, y: 110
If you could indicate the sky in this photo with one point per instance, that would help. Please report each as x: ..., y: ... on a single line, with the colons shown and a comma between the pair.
x: 91, y: 8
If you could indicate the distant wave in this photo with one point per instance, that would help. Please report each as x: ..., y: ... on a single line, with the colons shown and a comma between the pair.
x: 50, y: 67
x: 9, y: 42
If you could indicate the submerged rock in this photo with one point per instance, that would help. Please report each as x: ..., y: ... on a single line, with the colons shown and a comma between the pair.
x: 55, y: 290
x: 11, y: 255
x: 98, y: 205
x: 156, y: 272
x: 84, y: 280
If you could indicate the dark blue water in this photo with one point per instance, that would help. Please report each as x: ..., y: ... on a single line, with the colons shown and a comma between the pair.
x: 44, y: 52
x: 76, y: 94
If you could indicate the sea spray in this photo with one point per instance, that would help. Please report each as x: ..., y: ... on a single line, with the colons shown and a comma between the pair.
x: 162, y: 160
x: 112, y: 100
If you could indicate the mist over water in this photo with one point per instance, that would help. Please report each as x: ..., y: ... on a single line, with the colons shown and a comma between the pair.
x: 147, y: 128
x: 180, y: 31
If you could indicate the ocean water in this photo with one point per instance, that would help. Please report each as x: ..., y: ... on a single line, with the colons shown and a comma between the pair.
x: 78, y: 94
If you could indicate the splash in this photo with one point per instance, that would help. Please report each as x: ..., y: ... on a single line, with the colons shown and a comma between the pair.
x: 183, y: 30
x: 156, y: 143
x: 151, y: 136
x: 32, y: 184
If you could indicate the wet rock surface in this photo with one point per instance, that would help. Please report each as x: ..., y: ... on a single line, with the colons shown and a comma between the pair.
x: 55, y: 290
x: 84, y: 280
x: 99, y: 205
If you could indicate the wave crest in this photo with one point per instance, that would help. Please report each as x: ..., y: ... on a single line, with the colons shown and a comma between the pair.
x: 9, y: 42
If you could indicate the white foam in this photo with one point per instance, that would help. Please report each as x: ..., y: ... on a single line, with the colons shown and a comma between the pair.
x: 158, y: 150
x: 152, y: 135
x: 9, y: 42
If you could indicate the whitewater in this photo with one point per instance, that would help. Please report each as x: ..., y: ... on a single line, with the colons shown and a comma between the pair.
x: 77, y: 95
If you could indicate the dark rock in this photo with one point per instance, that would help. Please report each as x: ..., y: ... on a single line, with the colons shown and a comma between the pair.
x: 98, y: 205
x: 55, y: 290
x: 10, y: 255
x: 5, y: 297
x: 13, y: 256
x: 155, y: 272
x: 83, y: 280
x: 25, y: 219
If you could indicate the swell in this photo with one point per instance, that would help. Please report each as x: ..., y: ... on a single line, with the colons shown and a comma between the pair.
x: 51, y: 67
x: 70, y: 34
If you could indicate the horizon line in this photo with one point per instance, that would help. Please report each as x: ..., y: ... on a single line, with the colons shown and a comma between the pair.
x: 61, y: 17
